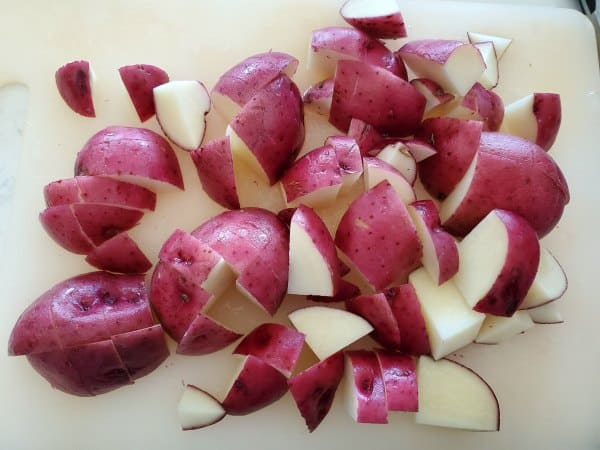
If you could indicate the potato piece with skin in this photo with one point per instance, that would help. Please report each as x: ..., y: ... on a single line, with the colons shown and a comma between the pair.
x: 100, y: 223
x: 420, y: 149
x: 130, y: 153
x: 198, y: 409
x: 268, y: 132
x: 141, y: 350
x: 378, y: 236
x: 331, y: 45
x: 409, y: 317
x: 490, y: 76
x: 255, y: 243
x: 377, y: 311
x: 318, y: 97
x: 508, y: 173
x: 255, y: 386
x: 276, y: 344
x: 433, y: 92
x: 139, y: 81
x: 496, y: 329
x: 366, y: 136
x: 546, y: 314
x: 346, y: 291
x: 376, y: 96
x: 119, y: 254
x: 456, y: 142
x: 364, y: 389
x: 205, y: 335
x: 241, y: 82
x: 400, y: 379
x: 314, y: 389
x: 500, y: 43
x: 549, y: 284
x: 34, y: 331
x: 63, y: 227
x: 349, y: 160
x: 73, y: 81
x: 380, y: 18
x: 399, y: 156
x: 100, y: 190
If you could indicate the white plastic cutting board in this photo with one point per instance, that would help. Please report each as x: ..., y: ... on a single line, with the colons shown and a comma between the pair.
x: 546, y: 380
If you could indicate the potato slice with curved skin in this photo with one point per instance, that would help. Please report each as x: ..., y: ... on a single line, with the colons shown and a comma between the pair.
x: 378, y: 236
x: 366, y: 136
x: 496, y: 329
x: 409, y: 317
x: 549, y: 284
x: 363, y: 91
x: 139, y: 81
x: 378, y: 18
x: 399, y: 156
x: 420, y: 149
x: 255, y: 386
x: 400, y: 379
x: 101, y: 223
x: 318, y: 97
x: 349, y: 160
x: 63, y: 227
x: 489, y: 77
x: 276, y: 344
x: 546, y: 314
x: 198, y: 409
x: 364, y: 389
x: 314, y: 389
x: 73, y: 81
x: 119, y: 254
x: 205, y: 335
x: 500, y: 43
x: 377, y: 311
x: 127, y: 152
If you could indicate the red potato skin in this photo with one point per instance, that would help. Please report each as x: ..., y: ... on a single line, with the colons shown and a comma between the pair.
x: 407, y: 311
x: 119, y: 254
x: 239, y: 237
x: 139, y: 81
x: 315, y: 170
x: 73, y: 83
x: 101, y: 223
x: 377, y: 234
x: 387, y: 102
x: 314, y: 389
x: 319, y: 93
x: 348, y: 154
x: 58, y: 370
x: 487, y: 104
x: 437, y: 50
x: 456, y: 142
x: 548, y: 115
x: 514, y: 174
x: 346, y: 290
x: 245, y: 79
x: 214, y: 165
x: 142, y: 350
x: 390, y: 26
x: 358, y: 45
x: 400, y: 378
x: 369, y: 386
x: 257, y: 386
x: 376, y: 310
x: 271, y: 124
x: 277, y: 345
x: 34, y: 331
x: 204, y: 336
x: 63, y: 227
x: 511, y: 286
x: 129, y: 151
x: 432, y: 88
x: 366, y: 136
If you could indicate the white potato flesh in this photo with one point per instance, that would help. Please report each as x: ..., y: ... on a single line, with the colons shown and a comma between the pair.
x: 451, y: 323
x: 451, y: 395
x: 430, y: 255
x: 316, y: 199
x: 373, y: 175
x: 399, y: 156
x: 489, y: 77
x: 550, y: 282
x: 546, y: 314
x: 520, y: 120
x: 241, y: 154
x: 357, y: 9
x: 219, y: 279
x: 482, y: 255
x: 496, y: 329
x: 329, y: 330
x: 309, y: 273
x: 197, y: 409
x: 181, y: 107
x: 500, y: 43
x: 454, y: 199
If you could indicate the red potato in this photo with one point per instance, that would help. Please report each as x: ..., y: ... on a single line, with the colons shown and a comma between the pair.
x: 497, y: 329
x: 346, y: 290
x: 399, y: 156
x: 198, y: 409
x: 399, y: 373
x: 500, y: 43
x: 139, y: 81
x: 268, y: 132
x: 378, y: 170
x: 549, y: 284
x: 376, y: 310
x: 440, y: 253
x: 317, y: 97
x: 499, y: 259
x: 546, y: 314
x: 434, y: 94
x: 376, y: 96
x: 366, y: 136
x: 364, y: 388
x: 314, y: 389
x: 275, y: 344
x: 240, y: 83
x: 142, y: 350
x: 205, y: 335
x: 380, y: 18
x: 63, y: 227
x: 74, y: 83
x: 409, y: 317
x: 508, y: 173
x: 454, y: 65
x: 101, y: 190
x: 420, y: 149
x: 119, y: 254
x: 314, y: 267
x: 255, y: 386
x: 331, y: 45
x: 377, y: 235
x: 535, y: 117
x: 214, y: 165
x: 349, y: 160
x: 490, y: 76
x: 100, y: 223
x: 255, y: 243
x: 456, y: 142
x: 129, y: 154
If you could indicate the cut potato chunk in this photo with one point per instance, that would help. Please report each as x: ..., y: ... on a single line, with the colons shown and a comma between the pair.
x: 496, y: 329
x: 198, y: 409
